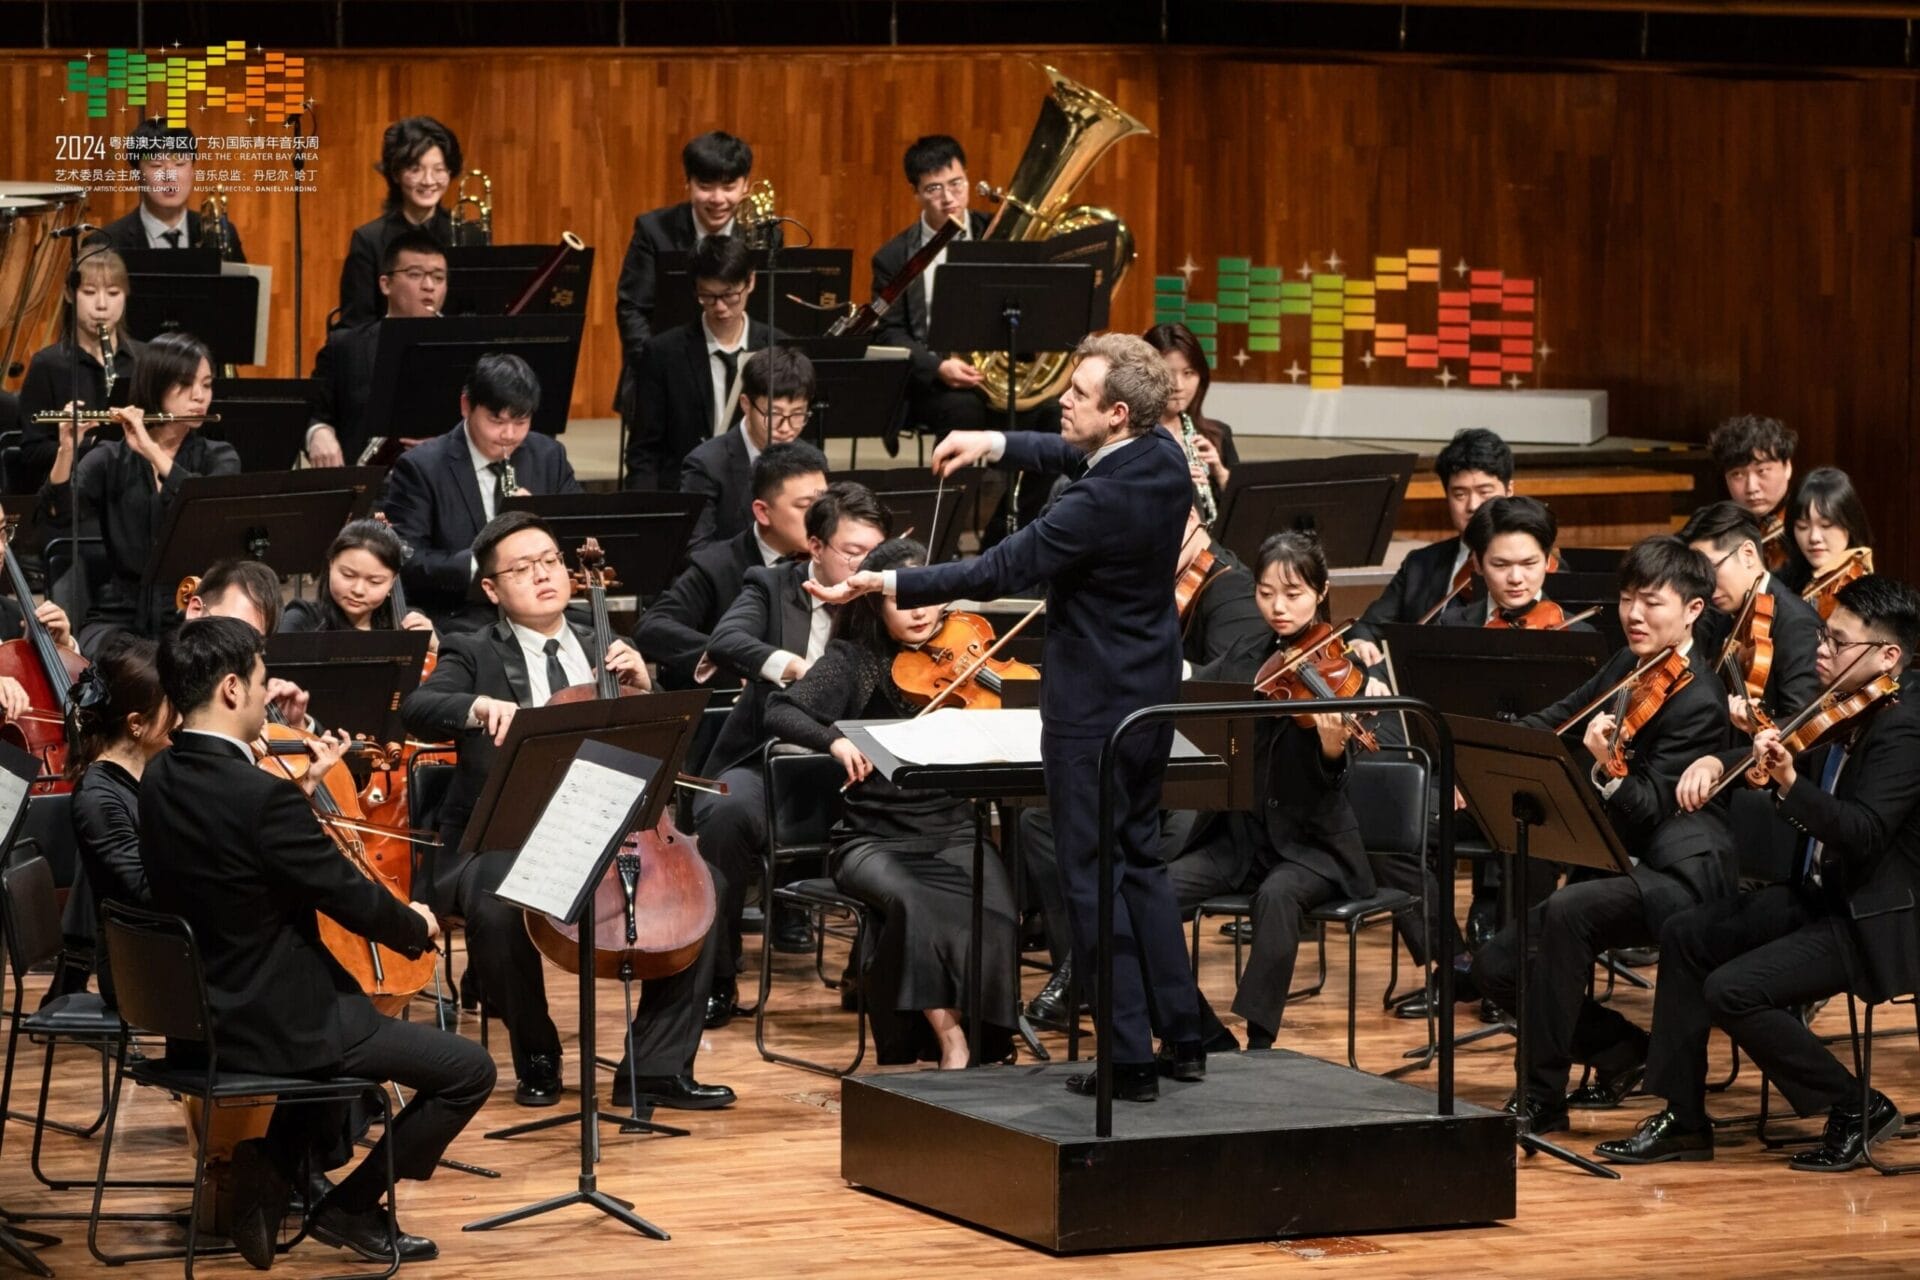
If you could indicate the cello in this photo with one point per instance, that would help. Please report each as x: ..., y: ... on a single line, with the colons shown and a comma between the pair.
x: 45, y: 670
x: 654, y: 906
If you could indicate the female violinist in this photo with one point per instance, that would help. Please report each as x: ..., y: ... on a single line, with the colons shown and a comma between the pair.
x: 1832, y: 540
x: 907, y: 853
x: 1512, y: 542
x: 1652, y: 709
x: 363, y: 566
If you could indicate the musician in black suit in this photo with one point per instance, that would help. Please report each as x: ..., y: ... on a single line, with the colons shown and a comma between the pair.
x: 673, y: 632
x: 776, y: 395
x: 1475, y: 466
x: 1843, y: 922
x: 413, y: 282
x: 717, y: 166
x: 420, y: 159
x: 238, y: 853
x: 691, y: 373
x: 1755, y: 458
x: 1106, y: 548
x: 769, y: 637
x: 440, y: 493
x: 1511, y: 542
x: 481, y: 680
x: 163, y: 158
x: 1682, y: 857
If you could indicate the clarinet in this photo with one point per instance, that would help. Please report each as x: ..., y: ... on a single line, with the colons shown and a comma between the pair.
x: 1203, y: 489
x: 106, y: 356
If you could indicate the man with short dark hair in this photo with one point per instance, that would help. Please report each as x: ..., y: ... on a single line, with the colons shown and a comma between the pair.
x: 776, y: 398
x: 1755, y: 458
x: 1511, y: 541
x: 440, y: 494
x: 413, y: 280
x: 686, y: 389
x: 238, y: 853
x: 164, y: 158
x: 1730, y: 538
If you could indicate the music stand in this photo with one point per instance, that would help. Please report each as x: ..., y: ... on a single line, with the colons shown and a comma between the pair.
x: 856, y: 395
x: 1491, y: 675
x: 1014, y: 308
x: 810, y: 289
x: 646, y: 737
x: 286, y: 519
x: 1576, y: 592
x: 643, y: 532
x: 264, y: 419
x: 486, y: 279
x: 182, y: 289
x: 1533, y: 800
x: 912, y: 500
x: 358, y: 676
x: 1351, y: 501
x: 422, y: 363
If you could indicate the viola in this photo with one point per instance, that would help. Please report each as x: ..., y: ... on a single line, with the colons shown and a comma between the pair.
x: 1829, y: 716
x: 655, y: 904
x: 1316, y: 665
x: 1640, y: 700
x: 46, y: 670
x: 1823, y: 592
x: 1192, y: 581
x: 957, y: 666
x: 1746, y: 659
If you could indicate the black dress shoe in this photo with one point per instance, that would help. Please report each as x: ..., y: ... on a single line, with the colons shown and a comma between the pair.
x: 470, y: 990
x: 1660, y: 1138
x: 365, y: 1232
x: 1132, y: 1082
x: 304, y: 1199
x: 1483, y: 921
x: 540, y: 1087
x: 1544, y: 1115
x: 1844, y: 1146
x: 682, y: 1093
x: 1049, y: 1008
x: 1608, y: 1090
x: 1415, y: 1006
x: 260, y: 1196
x: 792, y: 931
x: 1241, y: 929
x: 722, y: 1004
x: 1186, y: 1061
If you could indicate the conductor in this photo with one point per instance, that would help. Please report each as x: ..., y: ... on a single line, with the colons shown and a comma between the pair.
x: 1105, y: 551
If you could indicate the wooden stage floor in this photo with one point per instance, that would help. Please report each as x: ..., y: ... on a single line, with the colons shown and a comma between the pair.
x: 755, y: 1191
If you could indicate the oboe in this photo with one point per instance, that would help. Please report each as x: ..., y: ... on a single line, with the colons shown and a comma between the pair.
x: 106, y: 355
x: 1202, y: 486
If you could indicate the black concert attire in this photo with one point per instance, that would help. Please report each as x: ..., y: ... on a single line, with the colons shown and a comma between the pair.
x: 1421, y: 582
x: 322, y: 614
x: 343, y: 381
x: 106, y: 833
x: 673, y: 403
x: 674, y: 630
x: 721, y: 471
x: 129, y: 232
x: 50, y: 383
x: 1682, y: 862
x: 360, y: 296
x: 908, y: 854
x: 239, y: 854
x: 494, y: 663
x: 1212, y: 490
x: 1479, y: 612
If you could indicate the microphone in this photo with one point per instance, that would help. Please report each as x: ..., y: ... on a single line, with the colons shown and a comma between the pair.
x: 79, y: 229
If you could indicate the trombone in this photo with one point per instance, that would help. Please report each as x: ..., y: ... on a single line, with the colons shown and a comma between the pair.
x: 473, y: 215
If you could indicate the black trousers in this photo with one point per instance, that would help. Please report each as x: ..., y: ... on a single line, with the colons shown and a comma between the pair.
x: 449, y: 1078
x: 1152, y: 982
x: 667, y: 1023
x: 1039, y: 856
x: 732, y: 831
x: 1717, y: 943
x: 1410, y: 873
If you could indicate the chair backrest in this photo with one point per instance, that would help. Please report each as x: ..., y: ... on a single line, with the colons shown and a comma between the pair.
x: 428, y: 782
x: 803, y: 799
x: 706, y: 731
x: 158, y: 980
x: 49, y: 824
x: 32, y: 910
x: 1389, y: 795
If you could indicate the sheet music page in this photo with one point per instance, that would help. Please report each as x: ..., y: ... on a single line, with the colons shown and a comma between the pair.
x: 953, y: 735
x: 13, y: 795
x: 587, y: 810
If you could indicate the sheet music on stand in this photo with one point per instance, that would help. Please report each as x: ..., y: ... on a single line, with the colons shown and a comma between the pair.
x: 955, y: 735
x: 586, y: 818
x: 18, y: 772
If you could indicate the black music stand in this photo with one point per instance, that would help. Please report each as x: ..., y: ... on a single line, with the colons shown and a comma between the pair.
x: 1491, y: 675
x: 1014, y: 308
x: 421, y: 364
x: 286, y: 519
x: 1351, y: 501
x: 1533, y: 800
x: 486, y: 279
x: 809, y: 287
x: 182, y: 289
x: 913, y: 500
x: 358, y: 676
x: 856, y: 396
x: 264, y: 419
x: 1590, y: 559
x: 1576, y: 591
x: 542, y: 744
x: 643, y: 532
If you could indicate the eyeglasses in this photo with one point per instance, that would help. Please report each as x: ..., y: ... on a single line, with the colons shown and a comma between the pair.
x: 958, y: 186
x: 784, y: 417
x: 437, y: 174
x: 728, y: 299
x: 1830, y: 641
x: 548, y: 564
x: 852, y: 558
x: 420, y: 274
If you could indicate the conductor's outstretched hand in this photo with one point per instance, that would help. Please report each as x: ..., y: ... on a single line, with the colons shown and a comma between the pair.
x: 959, y: 449
x: 859, y: 584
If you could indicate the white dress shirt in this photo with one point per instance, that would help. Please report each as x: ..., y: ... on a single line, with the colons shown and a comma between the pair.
x: 819, y: 629
x: 573, y: 659
x: 157, y: 230
x: 939, y: 259
x: 768, y: 556
x: 723, y: 394
x: 483, y: 475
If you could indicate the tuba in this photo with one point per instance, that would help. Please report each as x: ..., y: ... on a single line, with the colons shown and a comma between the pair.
x: 757, y: 217
x: 1075, y: 128
x: 473, y: 215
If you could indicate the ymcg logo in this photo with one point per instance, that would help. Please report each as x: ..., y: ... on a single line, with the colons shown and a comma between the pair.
x: 170, y: 83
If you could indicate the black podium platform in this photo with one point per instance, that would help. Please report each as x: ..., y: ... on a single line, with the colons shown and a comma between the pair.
x: 1272, y: 1144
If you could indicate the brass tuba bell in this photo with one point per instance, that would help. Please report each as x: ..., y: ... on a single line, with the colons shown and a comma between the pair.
x: 473, y: 215
x: 758, y: 215
x: 1075, y: 128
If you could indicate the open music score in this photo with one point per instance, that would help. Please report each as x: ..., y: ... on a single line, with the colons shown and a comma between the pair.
x: 951, y: 735
x: 591, y: 809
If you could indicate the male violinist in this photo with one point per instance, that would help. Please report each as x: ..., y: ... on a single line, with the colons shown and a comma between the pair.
x: 1755, y: 457
x: 1511, y: 542
x: 1844, y: 922
x: 480, y: 681
x: 238, y: 853
x: 1664, y: 584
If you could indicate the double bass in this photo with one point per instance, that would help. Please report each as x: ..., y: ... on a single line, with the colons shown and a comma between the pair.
x: 46, y: 670
x: 654, y: 906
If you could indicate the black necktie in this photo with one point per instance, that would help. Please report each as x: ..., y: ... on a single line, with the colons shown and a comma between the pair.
x: 556, y: 674
x: 172, y: 238
x: 500, y: 490
x: 729, y: 361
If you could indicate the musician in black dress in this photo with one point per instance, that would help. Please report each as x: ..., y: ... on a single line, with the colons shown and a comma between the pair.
x: 363, y: 564
x: 420, y: 159
x: 1208, y: 444
x: 906, y: 853
x: 58, y: 375
x: 1825, y: 520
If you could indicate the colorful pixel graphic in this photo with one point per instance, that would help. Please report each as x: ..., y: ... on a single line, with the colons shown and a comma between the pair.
x: 1488, y: 320
x: 273, y: 86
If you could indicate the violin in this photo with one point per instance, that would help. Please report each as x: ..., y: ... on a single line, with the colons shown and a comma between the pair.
x: 655, y: 904
x: 46, y: 670
x: 1824, y: 590
x: 1773, y: 538
x: 1316, y: 665
x: 1462, y: 579
x: 1639, y: 701
x: 1826, y: 718
x: 957, y: 665
x: 1192, y: 581
x: 1746, y: 659
x: 1545, y: 615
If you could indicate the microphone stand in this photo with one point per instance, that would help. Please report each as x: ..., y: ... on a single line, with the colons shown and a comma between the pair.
x: 74, y: 396
x: 298, y: 120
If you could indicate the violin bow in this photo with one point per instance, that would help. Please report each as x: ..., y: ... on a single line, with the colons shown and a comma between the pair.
x: 1788, y: 728
x: 981, y: 661
x: 933, y: 531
